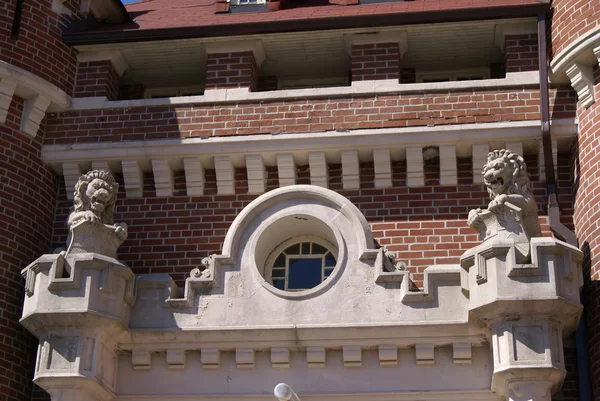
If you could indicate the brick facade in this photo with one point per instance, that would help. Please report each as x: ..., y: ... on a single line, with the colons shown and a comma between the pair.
x: 521, y: 53
x: 231, y: 70
x: 97, y: 78
x: 386, y: 111
x: 570, y: 20
x: 39, y: 48
x: 375, y: 61
x: 586, y: 172
x: 27, y: 205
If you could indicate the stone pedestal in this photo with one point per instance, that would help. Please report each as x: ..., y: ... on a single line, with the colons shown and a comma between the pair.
x: 78, y: 306
x: 528, y: 309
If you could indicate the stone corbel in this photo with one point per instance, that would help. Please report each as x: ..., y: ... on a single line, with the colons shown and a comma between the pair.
x: 59, y: 7
x: 582, y: 80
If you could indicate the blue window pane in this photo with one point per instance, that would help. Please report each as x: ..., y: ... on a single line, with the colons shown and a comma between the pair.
x: 328, y: 272
x: 329, y: 260
x: 293, y: 250
x: 278, y: 273
x: 279, y: 283
x: 306, y: 248
x: 304, y: 273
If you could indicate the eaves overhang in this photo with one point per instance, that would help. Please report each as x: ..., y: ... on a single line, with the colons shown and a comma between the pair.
x: 112, y: 35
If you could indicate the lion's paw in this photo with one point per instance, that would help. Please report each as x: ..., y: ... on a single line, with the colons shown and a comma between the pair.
x: 474, y: 218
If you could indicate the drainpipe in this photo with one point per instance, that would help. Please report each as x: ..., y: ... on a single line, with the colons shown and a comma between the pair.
x: 585, y: 392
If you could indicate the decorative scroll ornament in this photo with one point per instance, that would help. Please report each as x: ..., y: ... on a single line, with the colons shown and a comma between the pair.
x: 512, y: 212
x: 91, y: 225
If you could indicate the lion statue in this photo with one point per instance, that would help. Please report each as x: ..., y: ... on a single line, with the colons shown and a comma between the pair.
x: 94, y: 202
x: 506, y: 179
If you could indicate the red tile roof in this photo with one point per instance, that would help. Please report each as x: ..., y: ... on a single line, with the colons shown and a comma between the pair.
x: 160, y: 14
x: 173, y: 19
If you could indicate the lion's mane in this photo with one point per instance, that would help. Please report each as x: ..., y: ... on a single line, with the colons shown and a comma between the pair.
x: 81, y: 201
x: 520, y: 184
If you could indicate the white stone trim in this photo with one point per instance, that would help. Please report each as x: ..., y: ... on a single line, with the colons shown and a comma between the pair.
x: 194, y: 176
x: 237, y: 46
x: 316, y: 357
x: 176, y: 359
x: 134, y: 178
x: 71, y: 174
x: 582, y: 80
x: 542, y: 164
x: 378, y: 87
x: 501, y: 31
x: 286, y: 169
x: 29, y: 86
x: 280, y: 358
x: 244, y: 358
x: 319, y: 171
x: 388, y: 355
x: 7, y: 91
x: 59, y: 8
x: 114, y: 56
x: 225, y: 175
x: 256, y: 173
x: 424, y: 354
x: 211, y: 358
x: 350, y: 169
x: 352, y: 355
x: 163, y: 177
x: 141, y: 359
x: 448, y: 167
x: 400, y: 37
x: 516, y: 147
x: 414, y: 167
x: 103, y: 166
x: 578, y: 50
x: 462, y: 353
x: 34, y: 111
x: 480, y: 153
x: 382, y: 165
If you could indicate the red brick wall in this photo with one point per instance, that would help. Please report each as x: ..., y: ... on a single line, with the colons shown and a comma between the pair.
x: 97, y: 78
x: 422, y: 226
x: 521, y: 53
x: 586, y: 164
x: 405, y: 110
x: 375, y: 61
x: 27, y: 205
x: 231, y: 70
x: 571, y: 19
x: 39, y: 48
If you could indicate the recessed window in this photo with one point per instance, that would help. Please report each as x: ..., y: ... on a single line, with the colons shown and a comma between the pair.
x: 301, y: 264
x: 453, y: 75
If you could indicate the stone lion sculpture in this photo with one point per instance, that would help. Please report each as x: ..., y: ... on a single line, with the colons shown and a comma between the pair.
x: 507, y: 182
x: 91, y: 223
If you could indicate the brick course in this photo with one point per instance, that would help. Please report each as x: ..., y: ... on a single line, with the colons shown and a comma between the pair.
x: 571, y: 19
x: 97, y: 78
x: 404, y: 110
x: 375, y: 61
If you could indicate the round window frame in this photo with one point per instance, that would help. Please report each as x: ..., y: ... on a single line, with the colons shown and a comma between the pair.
x: 268, y: 269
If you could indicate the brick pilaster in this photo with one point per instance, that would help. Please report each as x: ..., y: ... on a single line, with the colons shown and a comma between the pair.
x: 375, y: 61
x: 521, y: 52
x: 231, y: 70
x: 97, y: 78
